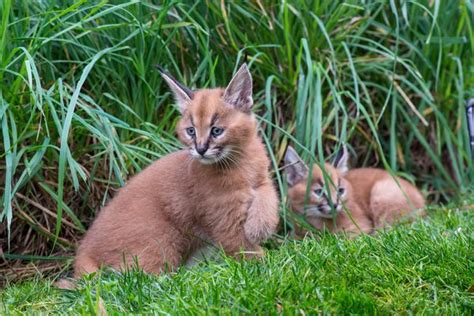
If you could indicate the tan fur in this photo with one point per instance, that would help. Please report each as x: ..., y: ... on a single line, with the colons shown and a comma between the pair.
x: 178, y: 204
x: 372, y: 198
x: 377, y: 191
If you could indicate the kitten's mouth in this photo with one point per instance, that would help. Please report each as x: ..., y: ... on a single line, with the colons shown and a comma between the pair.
x: 323, y: 211
x: 212, y: 156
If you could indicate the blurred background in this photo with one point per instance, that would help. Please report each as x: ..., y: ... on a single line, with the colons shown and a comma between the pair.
x: 82, y: 107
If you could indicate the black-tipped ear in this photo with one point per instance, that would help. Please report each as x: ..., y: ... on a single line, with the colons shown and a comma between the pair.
x: 340, y: 162
x: 296, y: 170
x: 181, y: 93
x: 239, y: 91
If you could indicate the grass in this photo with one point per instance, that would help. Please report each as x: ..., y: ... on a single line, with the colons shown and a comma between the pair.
x: 82, y: 108
x: 424, y: 268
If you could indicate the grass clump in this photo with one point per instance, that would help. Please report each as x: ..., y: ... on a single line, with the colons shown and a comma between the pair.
x: 424, y: 267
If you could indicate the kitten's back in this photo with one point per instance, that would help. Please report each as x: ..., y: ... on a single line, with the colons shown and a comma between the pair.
x: 383, y: 197
x: 137, y: 214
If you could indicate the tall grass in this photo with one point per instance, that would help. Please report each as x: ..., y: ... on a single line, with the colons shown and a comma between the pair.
x: 81, y: 107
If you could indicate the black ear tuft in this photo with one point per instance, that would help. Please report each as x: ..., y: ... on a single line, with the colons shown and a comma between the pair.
x: 340, y: 162
x: 239, y: 91
x: 296, y: 170
x: 181, y: 93
x: 160, y: 69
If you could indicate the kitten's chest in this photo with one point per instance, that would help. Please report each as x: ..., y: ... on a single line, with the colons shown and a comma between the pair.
x: 225, y: 195
x: 245, y: 177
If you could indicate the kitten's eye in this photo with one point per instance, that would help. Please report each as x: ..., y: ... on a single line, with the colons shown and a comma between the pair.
x: 341, y: 191
x: 318, y: 192
x: 191, y: 131
x: 216, y: 131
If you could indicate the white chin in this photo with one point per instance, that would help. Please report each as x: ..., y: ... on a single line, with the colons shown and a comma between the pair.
x: 317, y: 213
x: 207, y: 160
x: 323, y: 215
x: 211, y: 159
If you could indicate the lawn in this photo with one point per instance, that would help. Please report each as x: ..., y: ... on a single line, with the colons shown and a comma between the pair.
x: 423, y: 267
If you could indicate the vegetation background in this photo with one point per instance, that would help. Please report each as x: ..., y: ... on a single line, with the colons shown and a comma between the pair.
x: 82, y: 107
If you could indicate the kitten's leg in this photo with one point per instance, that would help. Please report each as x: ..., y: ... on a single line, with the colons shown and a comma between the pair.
x: 242, y: 248
x: 356, y: 224
x: 84, y: 265
x: 165, y: 253
x: 262, y: 215
x: 236, y: 245
x: 230, y: 235
x: 364, y: 225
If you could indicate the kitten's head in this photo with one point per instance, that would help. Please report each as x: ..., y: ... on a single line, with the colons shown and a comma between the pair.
x: 216, y: 123
x: 325, y: 193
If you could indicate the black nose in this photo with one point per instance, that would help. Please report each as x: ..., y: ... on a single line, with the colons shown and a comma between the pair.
x: 201, y: 149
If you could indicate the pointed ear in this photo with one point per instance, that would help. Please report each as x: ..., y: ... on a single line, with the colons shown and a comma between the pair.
x: 239, y: 91
x: 340, y: 162
x: 296, y: 170
x: 181, y: 93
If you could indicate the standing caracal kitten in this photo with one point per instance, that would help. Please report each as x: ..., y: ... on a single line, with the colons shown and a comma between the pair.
x: 217, y: 189
x: 371, y: 196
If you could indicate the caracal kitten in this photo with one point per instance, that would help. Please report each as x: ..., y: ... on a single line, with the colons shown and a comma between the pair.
x: 216, y: 190
x: 363, y: 199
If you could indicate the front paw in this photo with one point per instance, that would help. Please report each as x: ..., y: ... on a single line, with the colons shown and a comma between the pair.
x: 256, y: 253
x: 262, y: 215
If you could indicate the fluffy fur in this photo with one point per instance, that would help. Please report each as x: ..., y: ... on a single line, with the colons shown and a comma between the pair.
x: 363, y: 199
x: 217, y: 190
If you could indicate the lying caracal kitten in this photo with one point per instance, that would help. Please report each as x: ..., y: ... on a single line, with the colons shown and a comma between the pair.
x: 371, y: 196
x: 216, y: 190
